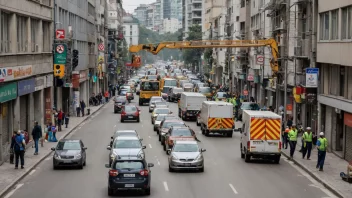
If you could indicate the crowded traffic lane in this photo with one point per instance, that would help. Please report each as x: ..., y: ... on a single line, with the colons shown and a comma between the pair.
x: 226, y: 174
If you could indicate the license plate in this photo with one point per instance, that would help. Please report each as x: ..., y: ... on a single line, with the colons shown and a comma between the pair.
x: 129, y: 175
x: 129, y: 185
x: 130, y: 116
x: 257, y: 142
x: 190, y: 114
x: 67, y: 161
x: 188, y: 164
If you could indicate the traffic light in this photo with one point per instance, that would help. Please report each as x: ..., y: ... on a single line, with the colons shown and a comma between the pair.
x: 74, y: 59
x: 59, y: 70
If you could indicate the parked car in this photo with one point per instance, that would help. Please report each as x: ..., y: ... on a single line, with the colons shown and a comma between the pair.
x: 69, y: 152
x: 130, y: 112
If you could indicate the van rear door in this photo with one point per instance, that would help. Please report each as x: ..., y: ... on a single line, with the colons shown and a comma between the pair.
x: 272, y: 135
x: 257, y: 135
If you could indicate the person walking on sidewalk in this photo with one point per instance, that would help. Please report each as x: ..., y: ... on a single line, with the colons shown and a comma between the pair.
x: 83, y: 106
x: 12, y: 152
x: 53, y: 130
x: 322, y: 144
x: 18, y: 144
x: 292, y: 135
x: 307, y: 138
x: 59, y: 119
x: 285, y: 139
x: 67, y: 119
x: 106, y: 95
x: 36, y: 134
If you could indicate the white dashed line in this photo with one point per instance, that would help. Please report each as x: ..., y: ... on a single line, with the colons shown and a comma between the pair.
x: 158, y: 162
x: 13, y: 191
x: 149, y: 137
x: 31, y: 173
x: 115, y: 126
x: 150, y: 146
x: 165, y: 186
x: 233, y: 189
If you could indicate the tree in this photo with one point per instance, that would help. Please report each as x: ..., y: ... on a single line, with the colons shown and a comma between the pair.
x: 193, y: 56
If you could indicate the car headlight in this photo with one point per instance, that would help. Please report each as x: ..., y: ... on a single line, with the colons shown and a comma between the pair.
x: 112, y: 156
x: 78, y: 156
x: 173, y: 157
x: 56, y: 156
x: 199, y: 158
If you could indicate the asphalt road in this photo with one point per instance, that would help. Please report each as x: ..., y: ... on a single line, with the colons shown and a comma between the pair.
x: 226, y: 174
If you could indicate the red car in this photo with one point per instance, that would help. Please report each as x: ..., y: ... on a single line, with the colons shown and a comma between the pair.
x: 130, y: 112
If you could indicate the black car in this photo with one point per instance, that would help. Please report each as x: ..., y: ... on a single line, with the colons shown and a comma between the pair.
x: 129, y: 173
x: 120, y: 101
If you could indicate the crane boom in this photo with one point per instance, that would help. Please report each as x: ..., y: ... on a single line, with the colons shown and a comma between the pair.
x: 156, y: 48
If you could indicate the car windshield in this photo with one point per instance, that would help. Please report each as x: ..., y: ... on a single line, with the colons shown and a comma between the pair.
x: 160, y: 117
x: 204, y: 90
x: 123, y: 92
x: 250, y: 106
x: 169, y: 124
x: 127, y: 144
x: 162, y: 111
x: 150, y: 86
x: 153, y: 100
x: 152, y: 72
x: 158, y: 103
x: 68, y: 146
x: 130, y: 109
x: 166, y: 89
x: 152, y: 77
x: 126, y: 134
x: 186, y: 148
x: 181, y: 132
x: 131, y: 165
x: 221, y: 95
x: 171, y: 83
x: 120, y: 99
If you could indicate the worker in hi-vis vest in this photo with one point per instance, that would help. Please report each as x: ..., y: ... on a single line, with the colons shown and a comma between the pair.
x: 292, y: 137
x: 322, y: 144
x: 307, y: 138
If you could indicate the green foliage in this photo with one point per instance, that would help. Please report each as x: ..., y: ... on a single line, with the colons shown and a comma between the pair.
x: 192, y: 56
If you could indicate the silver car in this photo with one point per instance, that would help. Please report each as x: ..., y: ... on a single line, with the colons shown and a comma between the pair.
x: 158, y: 120
x: 158, y: 111
x: 69, y: 152
x: 125, y: 146
x: 161, y: 104
x: 186, y: 155
x: 153, y: 99
x: 124, y: 133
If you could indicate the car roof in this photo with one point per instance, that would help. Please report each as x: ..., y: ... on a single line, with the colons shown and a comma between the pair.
x: 175, y: 120
x: 180, y: 127
x: 154, y: 97
x: 127, y: 138
x: 186, y: 142
x: 126, y: 131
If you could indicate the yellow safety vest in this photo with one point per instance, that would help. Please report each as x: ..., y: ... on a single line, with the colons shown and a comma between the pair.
x: 293, y: 135
x: 308, y: 137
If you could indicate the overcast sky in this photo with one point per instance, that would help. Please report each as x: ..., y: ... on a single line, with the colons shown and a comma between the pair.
x: 130, y: 5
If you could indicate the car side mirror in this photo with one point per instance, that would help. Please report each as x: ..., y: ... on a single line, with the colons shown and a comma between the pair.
x: 203, y: 150
x: 240, y: 129
x: 170, y: 112
x: 141, y: 139
x: 53, y: 148
x: 84, y: 148
x: 150, y: 165
x: 144, y: 147
x: 168, y: 151
x: 108, y: 148
x: 107, y: 165
x: 112, y: 137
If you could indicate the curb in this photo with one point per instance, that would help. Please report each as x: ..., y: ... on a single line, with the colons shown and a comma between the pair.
x: 324, y: 183
x: 27, y: 171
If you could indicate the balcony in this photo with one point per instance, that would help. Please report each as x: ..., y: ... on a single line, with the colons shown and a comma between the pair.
x: 197, y: 8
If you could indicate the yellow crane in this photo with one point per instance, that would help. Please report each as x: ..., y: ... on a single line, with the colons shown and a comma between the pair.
x: 156, y: 48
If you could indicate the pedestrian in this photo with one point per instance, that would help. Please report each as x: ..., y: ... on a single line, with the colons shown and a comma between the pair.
x: 307, y: 138
x: 12, y: 152
x: 67, y: 119
x: 83, y: 106
x: 285, y: 138
x: 106, y: 95
x: 292, y: 135
x: 289, y: 122
x: 36, y: 134
x: 322, y: 144
x: 59, y: 119
x: 18, y: 144
x: 53, y: 130
x: 78, y: 110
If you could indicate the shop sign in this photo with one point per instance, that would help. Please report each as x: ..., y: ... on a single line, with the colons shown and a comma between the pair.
x: 289, y: 109
x: 75, y: 80
x: 15, y: 73
x: 8, y: 92
x: 48, y: 106
x: 348, y: 119
x: 26, y: 86
x: 312, y: 77
x: 82, y: 76
x: 40, y: 83
x: 250, y: 77
x: 245, y: 92
x: 49, y: 80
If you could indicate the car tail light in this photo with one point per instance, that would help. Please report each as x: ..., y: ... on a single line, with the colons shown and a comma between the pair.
x: 136, y: 114
x: 249, y: 145
x: 113, y: 173
x: 171, y: 142
x: 280, y: 145
x: 123, y: 113
x: 144, y: 172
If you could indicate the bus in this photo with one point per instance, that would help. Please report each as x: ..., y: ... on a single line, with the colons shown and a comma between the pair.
x: 148, y: 88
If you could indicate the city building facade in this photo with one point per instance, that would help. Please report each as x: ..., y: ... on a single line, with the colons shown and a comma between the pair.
x: 130, y: 30
x: 141, y: 14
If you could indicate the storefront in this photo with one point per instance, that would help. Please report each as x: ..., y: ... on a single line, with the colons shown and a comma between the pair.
x: 48, y: 102
x: 25, y: 88
x: 83, y: 86
x: 8, y: 93
x: 348, y: 136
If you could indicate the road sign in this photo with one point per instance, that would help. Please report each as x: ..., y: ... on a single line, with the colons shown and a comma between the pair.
x: 59, y: 70
x: 60, y: 33
x: 60, y: 53
x: 101, y: 47
x: 260, y: 59
x: 312, y: 77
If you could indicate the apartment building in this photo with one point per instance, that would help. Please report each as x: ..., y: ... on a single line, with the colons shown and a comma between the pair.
x: 26, y: 67
x: 141, y: 14
x: 170, y: 26
x: 192, y: 13
x: 130, y: 30
x: 333, y: 53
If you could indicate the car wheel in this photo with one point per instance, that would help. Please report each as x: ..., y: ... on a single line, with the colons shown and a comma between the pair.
x: 80, y: 166
x: 55, y: 167
x: 159, y: 138
x: 230, y: 134
x: 85, y: 163
x: 154, y: 128
x: 115, y: 111
x: 247, y: 158
x: 110, y: 191
x: 198, y: 124
x: 201, y: 169
x: 122, y: 120
x: 277, y: 159
x: 138, y: 119
x: 242, y: 154
x: 170, y: 169
x: 164, y: 147
x: 207, y: 132
x: 147, y: 191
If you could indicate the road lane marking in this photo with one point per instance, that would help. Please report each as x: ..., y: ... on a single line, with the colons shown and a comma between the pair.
x: 233, y: 189
x: 115, y: 125
x: 149, y: 137
x: 31, y: 173
x: 150, y: 146
x: 13, y: 191
x: 165, y: 186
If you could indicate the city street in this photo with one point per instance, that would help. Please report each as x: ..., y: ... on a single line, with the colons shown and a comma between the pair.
x: 226, y: 174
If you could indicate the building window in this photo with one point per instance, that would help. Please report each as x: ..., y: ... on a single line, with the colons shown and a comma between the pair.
x: 324, y: 26
x: 4, y: 33
x: 46, y: 2
x: 46, y: 36
x: 342, y: 81
x: 346, y: 23
x: 34, y: 34
x: 334, y: 24
x: 243, y: 3
x: 91, y: 9
x: 22, y: 34
x: 131, y: 33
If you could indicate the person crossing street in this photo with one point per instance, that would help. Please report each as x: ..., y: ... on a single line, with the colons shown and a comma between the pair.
x: 307, y: 138
x: 322, y: 144
x: 292, y: 135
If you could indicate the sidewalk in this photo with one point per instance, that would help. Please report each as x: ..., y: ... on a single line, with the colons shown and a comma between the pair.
x: 330, y: 178
x: 10, y: 176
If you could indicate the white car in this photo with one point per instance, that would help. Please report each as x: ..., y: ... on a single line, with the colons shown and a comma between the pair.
x: 158, y: 111
x: 154, y: 99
